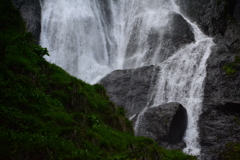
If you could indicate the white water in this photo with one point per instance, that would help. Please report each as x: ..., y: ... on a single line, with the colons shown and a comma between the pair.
x: 83, y: 41
x: 80, y: 40
x: 181, y: 80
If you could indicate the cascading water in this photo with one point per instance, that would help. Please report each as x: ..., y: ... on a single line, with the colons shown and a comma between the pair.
x: 181, y: 80
x: 91, y: 38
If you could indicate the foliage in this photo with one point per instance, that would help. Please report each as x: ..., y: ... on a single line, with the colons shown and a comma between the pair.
x: 48, y: 114
x: 231, y: 68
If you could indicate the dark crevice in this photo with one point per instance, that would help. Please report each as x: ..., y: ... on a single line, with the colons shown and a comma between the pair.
x: 178, y: 125
x: 230, y: 108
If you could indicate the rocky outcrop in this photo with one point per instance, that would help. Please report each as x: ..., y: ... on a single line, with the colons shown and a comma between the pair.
x: 166, y: 124
x: 210, y: 15
x: 218, y: 126
x: 215, y: 17
x: 131, y: 88
x: 31, y: 13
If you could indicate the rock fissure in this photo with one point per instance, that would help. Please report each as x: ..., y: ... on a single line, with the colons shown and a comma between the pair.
x: 178, y: 125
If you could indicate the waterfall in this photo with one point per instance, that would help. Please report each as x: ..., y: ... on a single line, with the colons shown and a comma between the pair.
x: 181, y: 80
x: 91, y: 38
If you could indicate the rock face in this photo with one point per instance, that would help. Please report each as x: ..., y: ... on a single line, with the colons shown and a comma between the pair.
x: 176, y: 34
x: 131, y: 88
x: 218, y: 122
x: 31, y: 13
x: 166, y: 124
x: 214, y: 17
x: 219, y: 126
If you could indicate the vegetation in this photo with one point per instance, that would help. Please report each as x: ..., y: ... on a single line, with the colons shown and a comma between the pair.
x: 231, y: 68
x: 47, y: 114
x: 232, y: 151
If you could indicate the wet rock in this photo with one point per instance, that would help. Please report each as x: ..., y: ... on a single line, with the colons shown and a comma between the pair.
x: 131, y: 88
x: 31, y: 13
x: 210, y: 15
x: 217, y: 124
x: 166, y: 124
x: 176, y: 33
x: 213, y: 16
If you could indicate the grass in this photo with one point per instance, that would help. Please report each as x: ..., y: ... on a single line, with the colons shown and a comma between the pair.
x: 48, y: 114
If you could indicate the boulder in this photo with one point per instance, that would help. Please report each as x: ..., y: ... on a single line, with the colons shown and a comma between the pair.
x: 131, y: 88
x: 166, y: 124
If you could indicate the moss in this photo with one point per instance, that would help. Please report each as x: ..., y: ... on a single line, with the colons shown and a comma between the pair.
x: 231, y: 68
x: 232, y: 151
x: 48, y: 114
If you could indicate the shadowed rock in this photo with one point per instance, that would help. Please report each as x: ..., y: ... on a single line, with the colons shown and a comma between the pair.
x: 178, y: 125
x: 166, y: 124
x: 131, y: 88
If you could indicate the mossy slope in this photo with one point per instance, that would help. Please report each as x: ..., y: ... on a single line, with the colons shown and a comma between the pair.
x: 47, y: 114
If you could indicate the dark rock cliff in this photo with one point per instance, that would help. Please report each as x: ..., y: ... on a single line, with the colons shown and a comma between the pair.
x: 131, y: 88
x: 31, y: 13
x: 218, y: 123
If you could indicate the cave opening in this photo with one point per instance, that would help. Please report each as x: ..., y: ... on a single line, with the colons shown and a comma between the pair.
x: 178, y: 125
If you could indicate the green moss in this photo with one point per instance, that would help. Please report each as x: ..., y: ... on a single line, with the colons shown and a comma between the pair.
x: 232, y: 151
x: 48, y: 114
x: 231, y: 68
